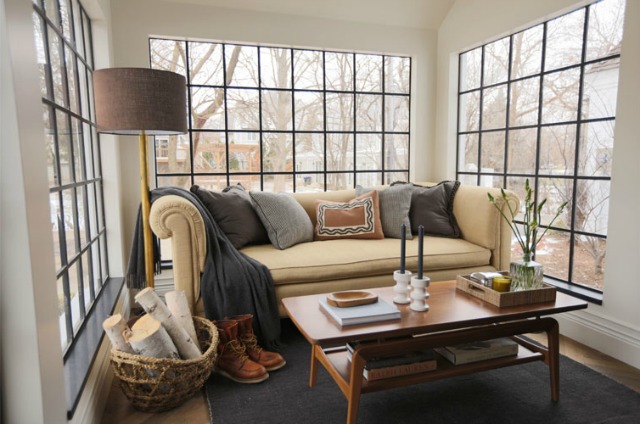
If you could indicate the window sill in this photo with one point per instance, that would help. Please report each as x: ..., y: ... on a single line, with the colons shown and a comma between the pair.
x: 583, y: 293
x: 80, y: 357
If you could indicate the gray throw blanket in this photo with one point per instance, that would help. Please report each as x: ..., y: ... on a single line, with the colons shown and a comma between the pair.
x: 232, y: 283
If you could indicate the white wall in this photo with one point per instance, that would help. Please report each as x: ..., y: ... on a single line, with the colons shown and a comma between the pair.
x: 134, y: 21
x: 614, y: 327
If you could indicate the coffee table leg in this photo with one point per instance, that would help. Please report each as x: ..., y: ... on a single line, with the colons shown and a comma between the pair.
x: 553, y: 343
x: 313, y: 370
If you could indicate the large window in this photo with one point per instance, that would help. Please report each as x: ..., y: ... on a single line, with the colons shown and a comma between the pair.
x: 285, y: 119
x: 65, y: 58
x: 540, y: 105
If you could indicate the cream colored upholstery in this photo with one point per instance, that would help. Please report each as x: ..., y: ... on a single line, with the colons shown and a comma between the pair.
x: 325, y: 266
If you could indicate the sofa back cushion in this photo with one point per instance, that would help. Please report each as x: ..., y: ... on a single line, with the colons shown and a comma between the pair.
x: 308, y: 200
x: 359, y: 218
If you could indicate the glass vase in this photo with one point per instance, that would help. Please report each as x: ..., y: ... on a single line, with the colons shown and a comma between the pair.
x: 526, y: 275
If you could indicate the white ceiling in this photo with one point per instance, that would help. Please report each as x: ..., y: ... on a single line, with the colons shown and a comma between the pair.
x: 425, y: 14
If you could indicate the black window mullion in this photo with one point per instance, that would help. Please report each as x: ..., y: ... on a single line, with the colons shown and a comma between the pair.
x: 355, y: 113
x: 226, y: 113
x: 293, y: 122
x: 324, y: 120
x: 260, y: 128
x: 480, y: 115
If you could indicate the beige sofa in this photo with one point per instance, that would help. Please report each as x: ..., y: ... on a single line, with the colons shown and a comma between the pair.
x: 346, y: 264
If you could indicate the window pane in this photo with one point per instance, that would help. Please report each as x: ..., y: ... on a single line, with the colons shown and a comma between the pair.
x: 557, y: 149
x: 516, y: 184
x: 368, y: 72
x: 95, y: 261
x: 244, y: 152
x: 470, y: 67
x: 368, y: 152
x: 205, y: 63
x: 604, y: 34
x: 492, y: 154
x: 339, y: 71
x: 277, y: 152
x: 339, y: 181
x: 41, y: 56
x: 212, y: 183
x: 307, y: 71
x: 64, y: 147
x: 70, y: 62
x: 592, y: 206
x: 249, y: 182
x: 276, y: 110
x: 209, y: 155
x: 57, y: 228
x: 103, y: 261
x: 564, y: 40
x: 183, y: 181
x: 275, y: 67
x: 494, y: 107
x: 469, y: 111
x: 309, y: 152
x: 56, y: 60
x: 553, y: 253
x: 86, y: 281
x: 527, y: 52
x: 78, y: 154
x: 76, y: 316
x: 242, y: 109
x: 390, y: 177
x: 339, y: 152
x: 91, y: 207
x: 396, y: 155
x: 51, y: 7
x: 600, y: 89
x: 468, y: 153
x: 77, y: 26
x: 369, y: 179
x: 590, y: 257
x: 339, y: 112
x: 522, y: 151
x: 496, y: 62
x: 397, y: 74
x: 556, y: 191
x: 560, y: 96
x: 82, y: 224
x: 278, y: 183
x: 52, y: 170
x: 82, y: 87
x: 242, y: 65
x: 68, y: 207
x: 307, y: 183
x: 524, y: 102
x: 309, y: 111
x: 207, y: 108
x: 368, y: 112
x: 62, y: 316
x: 65, y: 19
x: 596, y: 149
x: 168, y: 55
x: 89, y: 153
x: 396, y: 113
x: 172, y: 153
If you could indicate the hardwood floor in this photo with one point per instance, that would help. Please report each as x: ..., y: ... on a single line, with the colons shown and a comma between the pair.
x: 195, y: 410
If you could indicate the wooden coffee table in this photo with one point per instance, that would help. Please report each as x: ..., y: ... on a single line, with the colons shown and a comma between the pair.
x: 453, y: 317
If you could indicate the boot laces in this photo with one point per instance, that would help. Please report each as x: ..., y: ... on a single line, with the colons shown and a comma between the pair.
x: 238, y: 349
x: 251, y: 342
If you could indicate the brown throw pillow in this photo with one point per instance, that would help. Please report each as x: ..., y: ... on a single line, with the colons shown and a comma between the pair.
x: 233, y: 212
x: 358, y: 218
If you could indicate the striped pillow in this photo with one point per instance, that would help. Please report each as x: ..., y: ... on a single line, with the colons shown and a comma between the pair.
x: 358, y: 218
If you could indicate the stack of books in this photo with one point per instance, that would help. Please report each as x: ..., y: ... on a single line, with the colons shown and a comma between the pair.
x: 396, y: 366
x: 479, y: 351
x: 373, y: 312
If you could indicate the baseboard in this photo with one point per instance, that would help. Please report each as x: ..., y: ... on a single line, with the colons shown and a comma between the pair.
x: 94, y: 397
x: 612, y: 338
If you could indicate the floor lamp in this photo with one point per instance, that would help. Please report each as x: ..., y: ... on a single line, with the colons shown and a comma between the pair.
x: 140, y: 101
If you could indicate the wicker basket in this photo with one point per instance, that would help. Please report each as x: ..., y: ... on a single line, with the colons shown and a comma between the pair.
x: 156, y: 385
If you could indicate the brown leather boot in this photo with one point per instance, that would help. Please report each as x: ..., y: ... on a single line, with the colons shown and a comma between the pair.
x: 270, y: 360
x: 233, y: 361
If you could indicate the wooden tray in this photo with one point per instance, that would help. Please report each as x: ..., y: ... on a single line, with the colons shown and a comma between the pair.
x: 501, y: 300
x: 348, y: 298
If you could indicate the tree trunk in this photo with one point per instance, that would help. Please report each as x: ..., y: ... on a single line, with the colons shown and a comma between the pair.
x: 114, y: 327
x: 179, y: 307
x: 154, y: 306
x: 148, y: 338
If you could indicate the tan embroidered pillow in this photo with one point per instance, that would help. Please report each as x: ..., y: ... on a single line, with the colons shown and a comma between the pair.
x: 358, y: 218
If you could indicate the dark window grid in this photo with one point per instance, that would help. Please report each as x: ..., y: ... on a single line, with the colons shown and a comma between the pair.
x: 293, y: 120
x: 244, y: 173
x: 545, y: 125
x: 234, y: 131
x: 331, y: 91
x: 537, y: 175
x: 292, y: 90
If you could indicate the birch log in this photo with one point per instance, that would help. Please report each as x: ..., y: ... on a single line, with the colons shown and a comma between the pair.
x: 179, y: 308
x: 114, y: 327
x: 148, y: 338
x: 154, y: 306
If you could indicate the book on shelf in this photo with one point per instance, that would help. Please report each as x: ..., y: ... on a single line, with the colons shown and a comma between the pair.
x: 396, y: 366
x: 373, y: 312
x: 479, y: 351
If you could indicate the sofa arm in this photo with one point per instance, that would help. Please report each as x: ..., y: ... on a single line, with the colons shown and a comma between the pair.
x: 177, y: 218
x: 480, y: 223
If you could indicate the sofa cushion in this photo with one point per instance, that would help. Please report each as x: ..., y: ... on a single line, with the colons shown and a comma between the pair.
x: 348, y: 258
x: 286, y: 221
x: 395, y: 203
x: 233, y: 212
x: 359, y: 218
x: 432, y: 207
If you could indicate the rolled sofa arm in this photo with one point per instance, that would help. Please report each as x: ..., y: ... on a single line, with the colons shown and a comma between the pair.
x: 481, y: 224
x: 177, y: 218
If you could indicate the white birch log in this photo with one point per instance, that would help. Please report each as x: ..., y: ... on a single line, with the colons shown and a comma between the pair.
x: 154, y: 306
x: 148, y: 338
x: 179, y: 307
x: 114, y: 327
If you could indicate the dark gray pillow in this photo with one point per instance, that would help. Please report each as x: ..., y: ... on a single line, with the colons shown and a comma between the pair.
x: 233, y: 212
x: 432, y: 207
x: 285, y: 219
x: 395, y: 203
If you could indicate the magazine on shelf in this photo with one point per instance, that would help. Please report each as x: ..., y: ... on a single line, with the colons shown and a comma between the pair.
x: 479, y: 351
x: 373, y: 312
x: 396, y: 366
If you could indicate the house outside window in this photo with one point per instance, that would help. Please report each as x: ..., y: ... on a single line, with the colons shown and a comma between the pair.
x: 540, y: 105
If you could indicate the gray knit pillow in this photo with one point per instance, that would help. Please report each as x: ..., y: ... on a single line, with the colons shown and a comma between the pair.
x: 285, y: 219
x: 395, y: 203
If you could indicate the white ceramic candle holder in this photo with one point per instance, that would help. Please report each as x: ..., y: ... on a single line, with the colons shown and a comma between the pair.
x: 419, y: 294
x: 402, y: 287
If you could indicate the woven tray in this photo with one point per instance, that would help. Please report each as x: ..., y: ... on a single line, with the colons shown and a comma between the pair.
x: 156, y: 385
x: 504, y: 299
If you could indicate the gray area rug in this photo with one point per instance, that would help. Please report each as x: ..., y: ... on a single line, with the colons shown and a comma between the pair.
x: 518, y: 394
